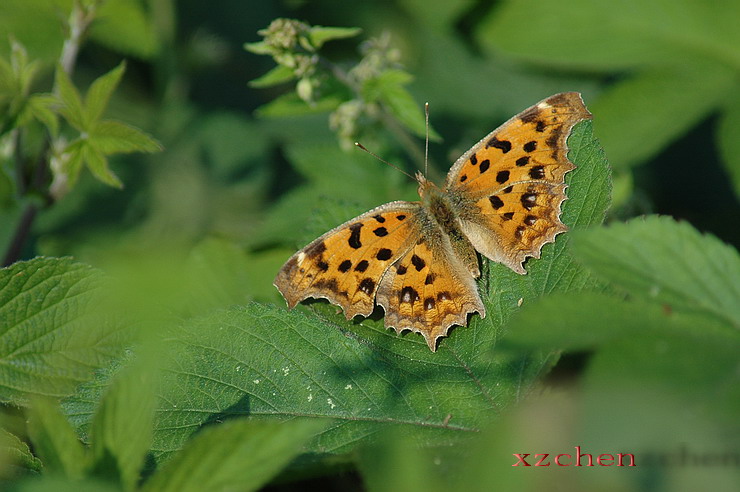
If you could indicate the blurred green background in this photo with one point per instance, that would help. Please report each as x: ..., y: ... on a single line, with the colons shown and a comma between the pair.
x: 661, y: 77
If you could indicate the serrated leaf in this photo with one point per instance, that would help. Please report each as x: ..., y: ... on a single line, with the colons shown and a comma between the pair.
x: 15, y: 453
x: 72, y: 108
x: 52, y: 336
x: 122, y: 425
x: 320, y: 35
x: 55, y: 440
x: 670, y: 262
x: 98, y: 165
x: 115, y: 137
x: 236, y: 455
x: 99, y: 94
x: 276, y: 76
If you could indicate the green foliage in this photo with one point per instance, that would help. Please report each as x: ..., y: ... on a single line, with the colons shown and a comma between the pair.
x: 98, y: 138
x: 161, y: 356
x: 51, y: 335
x: 680, y: 56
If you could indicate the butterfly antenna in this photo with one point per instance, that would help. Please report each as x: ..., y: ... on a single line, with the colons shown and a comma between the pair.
x: 362, y: 147
x: 426, y: 139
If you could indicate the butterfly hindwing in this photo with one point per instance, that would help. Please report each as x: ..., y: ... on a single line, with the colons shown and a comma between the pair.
x: 428, y: 290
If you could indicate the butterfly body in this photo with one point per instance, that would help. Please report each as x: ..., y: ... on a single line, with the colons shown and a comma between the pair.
x: 418, y: 260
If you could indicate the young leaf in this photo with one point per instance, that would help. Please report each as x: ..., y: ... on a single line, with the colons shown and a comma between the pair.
x: 671, y: 262
x: 72, y: 108
x: 114, y: 137
x: 98, y: 165
x: 55, y: 440
x: 276, y: 76
x: 52, y: 336
x: 99, y: 94
x: 320, y: 35
x: 236, y: 455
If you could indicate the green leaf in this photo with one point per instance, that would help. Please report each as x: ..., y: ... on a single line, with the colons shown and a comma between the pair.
x: 259, y: 48
x: 98, y: 165
x: 729, y: 143
x: 52, y: 335
x: 125, y: 26
x: 276, y: 76
x: 320, y: 35
x: 99, y: 94
x: 236, y: 455
x: 585, y: 320
x: 72, y: 108
x: 40, y: 107
x: 122, y: 426
x: 14, y: 453
x: 55, y: 440
x: 667, y: 261
x: 115, y: 137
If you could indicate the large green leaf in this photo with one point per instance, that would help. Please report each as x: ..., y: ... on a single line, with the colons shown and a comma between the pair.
x: 52, y: 337
x: 667, y: 261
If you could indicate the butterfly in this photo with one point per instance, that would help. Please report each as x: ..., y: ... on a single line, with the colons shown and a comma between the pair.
x: 418, y: 260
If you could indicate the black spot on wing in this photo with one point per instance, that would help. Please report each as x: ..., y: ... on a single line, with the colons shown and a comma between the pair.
x: 344, y: 266
x: 496, y: 202
x: 367, y: 286
x: 502, y: 177
x: 314, y: 250
x: 530, y: 146
x: 361, y: 266
x: 418, y: 263
x: 408, y: 294
x: 384, y: 254
x: 503, y: 145
x: 537, y: 172
x: 380, y: 231
x: 354, y: 237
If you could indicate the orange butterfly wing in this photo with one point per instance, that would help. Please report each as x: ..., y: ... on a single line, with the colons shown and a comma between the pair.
x: 346, y: 264
x: 516, y: 178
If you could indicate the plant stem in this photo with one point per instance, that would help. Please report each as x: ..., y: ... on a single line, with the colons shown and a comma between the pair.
x: 78, y: 24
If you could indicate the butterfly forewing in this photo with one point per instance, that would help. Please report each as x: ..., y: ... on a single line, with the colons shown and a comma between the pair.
x: 516, y: 178
x: 345, y: 265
